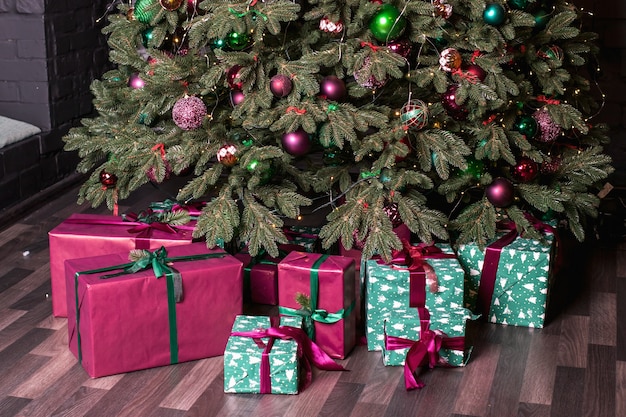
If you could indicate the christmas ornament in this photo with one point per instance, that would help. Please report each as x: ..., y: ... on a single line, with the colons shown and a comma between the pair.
x: 450, y: 59
x: 518, y: 4
x: 454, y: 110
x: 553, y: 54
x: 140, y: 12
x: 401, y: 47
x: 297, y: 143
x: 542, y: 17
x: 280, y: 85
x: 192, y: 7
x: 387, y: 24
x: 135, y: 81
x: 414, y: 114
x: 494, y: 14
x: 233, y: 77
x: 548, y: 129
x: 130, y: 14
x: 551, y: 166
x: 475, y: 167
x: 329, y: 26
x: 525, y: 170
x: 442, y: 9
x: 367, y: 82
x: 170, y: 5
x: 108, y: 179
x: 189, y: 112
x: 526, y: 125
x: 227, y: 155
x: 236, y: 97
x: 500, y: 192
x: 218, y: 44
x: 146, y: 37
x: 475, y: 72
x: 237, y: 41
x: 333, y: 88
x: 263, y: 169
x: 393, y: 213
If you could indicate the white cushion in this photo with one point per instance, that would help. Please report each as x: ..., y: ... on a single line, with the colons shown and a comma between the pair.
x: 12, y: 131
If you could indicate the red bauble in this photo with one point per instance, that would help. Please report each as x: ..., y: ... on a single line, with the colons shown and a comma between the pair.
x: 454, y: 110
x: 401, y: 47
x: 280, y: 85
x: 236, y: 97
x: 450, y: 60
x: 233, y: 77
x: 107, y: 179
x: 189, y: 112
x: 170, y: 5
x: 297, y: 143
x: 500, y: 192
x: 227, y: 155
x: 551, y: 166
x: 407, y: 142
x: 525, y: 170
x: 329, y: 26
x: 476, y: 72
x: 333, y: 88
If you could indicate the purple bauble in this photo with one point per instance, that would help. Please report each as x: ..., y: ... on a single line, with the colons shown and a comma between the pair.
x: 333, y: 88
x: 236, y: 97
x: 189, y: 112
x: 454, y: 110
x: 296, y: 143
x: 401, y: 47
x: 135, y: 81
x: 280, y: 85
x: 549, y: 131
x: 500, y: 192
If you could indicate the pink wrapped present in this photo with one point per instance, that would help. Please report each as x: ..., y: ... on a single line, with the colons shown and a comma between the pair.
x: 328, y: 282
x: 260, y: 278
x: 83, y: 235
x: 121, y: 322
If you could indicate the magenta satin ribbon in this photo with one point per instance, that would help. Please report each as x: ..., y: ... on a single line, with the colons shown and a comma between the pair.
x: 291, y: 234
x: 414, y: 259
x: 308, y: 351
x: 424, y: 351
x: 492, y: 259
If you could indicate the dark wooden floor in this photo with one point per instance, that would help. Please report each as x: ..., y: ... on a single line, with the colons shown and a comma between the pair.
x: 576, y: 366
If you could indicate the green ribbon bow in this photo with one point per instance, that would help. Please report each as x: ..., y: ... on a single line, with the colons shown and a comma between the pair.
x: 242, y: 14
x: 313, y: 314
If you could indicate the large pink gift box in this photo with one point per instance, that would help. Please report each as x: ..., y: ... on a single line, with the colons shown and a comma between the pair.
x: 132, y: 321
x: 84, y: 235
x: 333, y: 318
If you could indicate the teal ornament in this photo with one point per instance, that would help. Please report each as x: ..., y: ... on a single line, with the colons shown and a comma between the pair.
x: 518, y: 4
x: 386, y: 176
x: 494, y: 14
x: 542, y: 16
x: 387, y: 24
x: 526, y: 125
x: 218, y: 44
x: 146, y: 36
x: 144, y: 10
x: 237, y: 41
x: 414, y: 114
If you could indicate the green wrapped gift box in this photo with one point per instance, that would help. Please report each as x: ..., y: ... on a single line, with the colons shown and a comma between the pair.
x: 522, y: 280
x: 305, y: 236
x: 243, y: 357
x: 448, y: 323
x: 387, y: 291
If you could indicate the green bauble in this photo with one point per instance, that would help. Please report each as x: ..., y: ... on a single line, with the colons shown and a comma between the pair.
x: 542, y: 16
x: 475, y: 167
x: 518, y: 4
x: 494, y: 14
x: 526, y: 125
x: 237, y: 41
x: 144, y: 10
x: 387, y: 24
x: 264, y: 169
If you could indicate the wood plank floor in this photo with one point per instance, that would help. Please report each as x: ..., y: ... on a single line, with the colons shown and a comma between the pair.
x: 575, y: 366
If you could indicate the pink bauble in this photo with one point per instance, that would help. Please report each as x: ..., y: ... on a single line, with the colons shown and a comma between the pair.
x: 500, y: 192
x: 476, y: 72
x: 135, y: 81
x: 236, y: 97
x: 296, y: 143
x: 189, y: 112
x: 233, y: 78
x: 525, y: 170
x: 549, y: 131
x: 401, y: 47
x: 333, y: 88
x: 280, y: 85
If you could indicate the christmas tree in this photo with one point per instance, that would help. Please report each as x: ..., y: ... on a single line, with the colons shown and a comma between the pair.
x: 444, y: 115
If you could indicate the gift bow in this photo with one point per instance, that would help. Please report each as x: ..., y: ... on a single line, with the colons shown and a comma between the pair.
x: 308, y: 351
x: 424, y: 351
x: 146, y: 222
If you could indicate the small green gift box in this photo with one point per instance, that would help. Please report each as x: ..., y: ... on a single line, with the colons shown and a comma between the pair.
x: 518, y: 281
x: 388, y: 290
x: 305, y: 236
x: 243, y: 358
x: 403, y: 328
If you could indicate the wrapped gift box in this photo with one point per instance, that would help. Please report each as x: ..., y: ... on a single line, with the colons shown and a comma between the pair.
x: 388, y: 290
x: 260, y: 278
x: 84, y: 235
x: 305, y: 236
x: 449, y: 324
x: 520, y: 284
x: 132, y: 321
x: 328, y: 280
x: 243, y: 357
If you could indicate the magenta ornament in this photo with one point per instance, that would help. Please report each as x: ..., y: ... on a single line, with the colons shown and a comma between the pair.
x: 454, y: 110
x: 401, y: 47
x: 476, y: 72
x: 135, y: 81
x: 233, y: 77
x: 189, y: 112
x: 333, y: 88
x: 280, y: 85
x: 236, y: 97
x: 297, y: 143
x: 549, y: 131
x: 500, y: 192
x: 525, y: 170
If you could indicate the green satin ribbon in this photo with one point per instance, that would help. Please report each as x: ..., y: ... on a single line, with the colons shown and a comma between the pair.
x: 315, y: 314
x: 158, y: 260
x: 242, y: 14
